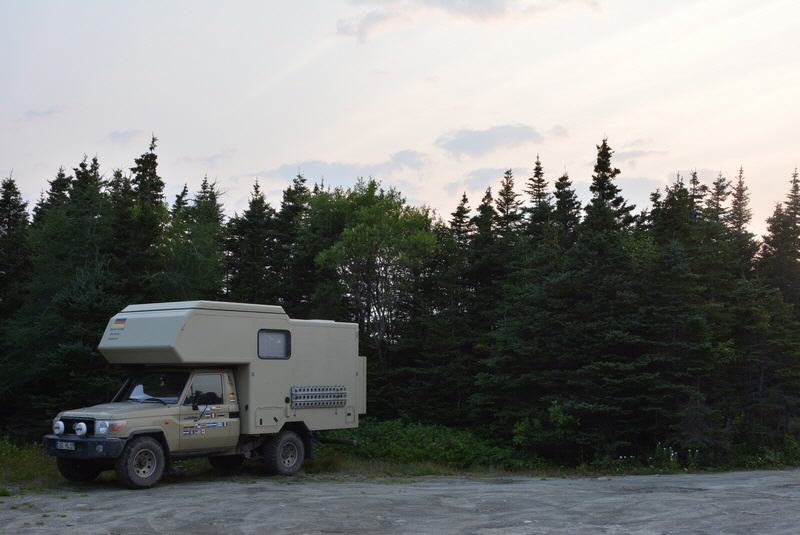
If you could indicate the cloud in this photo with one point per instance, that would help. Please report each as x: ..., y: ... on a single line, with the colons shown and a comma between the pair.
x: 211, y: 160
x: 467, y: 142
x: 638, y: 142
x: 124, y: 137
x: 479, y: 179
x: 344, y: 173
x: 631, y: 157
x: 557, y: 131
x: 32, y: 115
x: 366, y: 24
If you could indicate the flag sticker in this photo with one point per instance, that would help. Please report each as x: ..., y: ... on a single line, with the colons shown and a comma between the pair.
x: 117, y: 326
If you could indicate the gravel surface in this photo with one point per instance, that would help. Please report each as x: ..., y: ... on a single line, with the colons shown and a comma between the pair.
x: 761, y: 502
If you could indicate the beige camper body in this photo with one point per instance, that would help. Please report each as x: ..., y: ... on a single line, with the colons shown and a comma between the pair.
x: 320, y: 381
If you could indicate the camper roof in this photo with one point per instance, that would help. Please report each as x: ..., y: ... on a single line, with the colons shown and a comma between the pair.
x: 205, y: 305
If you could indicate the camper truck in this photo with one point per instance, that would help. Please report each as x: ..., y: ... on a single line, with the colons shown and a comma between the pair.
x: 227, y: 381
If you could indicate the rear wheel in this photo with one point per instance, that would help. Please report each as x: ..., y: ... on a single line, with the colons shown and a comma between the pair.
x: 284, y: 454
x: 141, y: 464
x: 78, y: 470
x: 226, y: 463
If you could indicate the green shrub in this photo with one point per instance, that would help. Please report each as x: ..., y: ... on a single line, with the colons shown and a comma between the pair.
x: 405, y: 442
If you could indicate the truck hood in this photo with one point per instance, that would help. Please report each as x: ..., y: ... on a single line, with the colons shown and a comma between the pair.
x: 125, y: 409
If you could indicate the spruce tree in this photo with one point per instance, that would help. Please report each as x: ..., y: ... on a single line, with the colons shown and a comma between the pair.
x: 294, y: 261
x: 716, y: 203
x: 567, y: 209
x: 14, y: 249
x: 509, y: 215
x: 53, y: 359
x: 779, y: 261
x: 199, y: 270
x: 460, y: 224
x: 252, y: 273
x: 149, y: 219
x: 607, y: 207
x: 739, y: 217
x: 540, y: 207
x: 57, y: 194
x: 120, y: 220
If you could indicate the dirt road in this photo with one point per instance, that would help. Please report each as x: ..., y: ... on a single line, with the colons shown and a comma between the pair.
x: 729, y: 503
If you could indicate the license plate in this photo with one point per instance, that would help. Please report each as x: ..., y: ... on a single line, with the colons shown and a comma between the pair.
x: 65, y: 445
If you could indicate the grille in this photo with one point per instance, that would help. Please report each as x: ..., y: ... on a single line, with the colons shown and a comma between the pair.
x: 70, y: 422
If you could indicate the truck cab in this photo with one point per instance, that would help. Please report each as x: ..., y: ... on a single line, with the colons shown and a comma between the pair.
x: 229, y: 401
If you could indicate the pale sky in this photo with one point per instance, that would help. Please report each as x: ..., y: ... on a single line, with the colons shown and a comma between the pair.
x: 434, y: 97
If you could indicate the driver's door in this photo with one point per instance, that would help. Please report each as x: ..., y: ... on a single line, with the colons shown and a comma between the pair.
x: 205, y: 420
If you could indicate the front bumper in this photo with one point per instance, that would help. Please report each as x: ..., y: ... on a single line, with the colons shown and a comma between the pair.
x: 85, y: 447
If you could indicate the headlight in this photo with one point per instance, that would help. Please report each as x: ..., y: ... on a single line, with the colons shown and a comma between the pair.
x: 103, y: 427
x: 80, y: 429
x: 58, y: 426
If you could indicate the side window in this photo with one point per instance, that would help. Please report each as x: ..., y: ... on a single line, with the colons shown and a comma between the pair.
x: 273, y: 344
x: 206, y: 389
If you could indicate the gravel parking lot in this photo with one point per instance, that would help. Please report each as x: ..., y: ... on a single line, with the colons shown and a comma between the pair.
x: 728, y: 503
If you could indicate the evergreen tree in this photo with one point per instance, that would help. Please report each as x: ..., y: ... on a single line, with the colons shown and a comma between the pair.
x: 567, y: 210
x: 57, y: 195
x: 779, y: 261
x: 716, y: 203
x: 295, y: 263
x: 14, y: 249
x: 540, y: 206
x: 120, y: 221
x: 52, y: 337
x: 607, y: 208
x: 739, y: 217
x: 461, y: 227
x: 252, y: 275
x: 148, y: 223
x: 195, y: 245
x: 508, y: 205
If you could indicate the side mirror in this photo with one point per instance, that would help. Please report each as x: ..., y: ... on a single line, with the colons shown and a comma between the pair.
x: 195, y: 407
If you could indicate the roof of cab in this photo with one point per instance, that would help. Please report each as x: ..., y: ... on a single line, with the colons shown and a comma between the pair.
x: 205, y: 305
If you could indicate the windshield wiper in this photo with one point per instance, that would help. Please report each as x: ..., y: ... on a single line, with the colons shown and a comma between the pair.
x: 156, y: 399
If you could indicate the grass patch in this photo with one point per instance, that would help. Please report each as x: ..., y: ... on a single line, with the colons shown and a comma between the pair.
x: 26, y: 467
x: 395, y: 449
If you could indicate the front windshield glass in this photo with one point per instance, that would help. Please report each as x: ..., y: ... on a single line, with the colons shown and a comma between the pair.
x: 158, y: 387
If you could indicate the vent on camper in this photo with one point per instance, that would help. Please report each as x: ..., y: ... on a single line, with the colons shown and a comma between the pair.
x: 310, y: 397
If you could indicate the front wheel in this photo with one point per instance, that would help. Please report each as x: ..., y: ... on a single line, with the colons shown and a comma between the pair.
x: 141, y: 464
x: 284, y: 454
x: 78, y: 470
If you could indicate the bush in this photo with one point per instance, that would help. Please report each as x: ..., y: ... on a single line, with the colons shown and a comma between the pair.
x: 405, y: 442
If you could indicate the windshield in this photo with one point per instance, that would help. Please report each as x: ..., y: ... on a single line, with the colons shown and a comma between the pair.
x: 158, y: 387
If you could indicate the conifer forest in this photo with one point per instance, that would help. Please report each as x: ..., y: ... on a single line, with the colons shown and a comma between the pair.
x: 569, y: 331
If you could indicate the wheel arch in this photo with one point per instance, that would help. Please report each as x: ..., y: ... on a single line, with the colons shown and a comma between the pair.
x: 305, y: 434
x: 155, y: 433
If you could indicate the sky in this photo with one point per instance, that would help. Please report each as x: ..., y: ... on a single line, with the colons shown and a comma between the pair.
x: 433, y: 97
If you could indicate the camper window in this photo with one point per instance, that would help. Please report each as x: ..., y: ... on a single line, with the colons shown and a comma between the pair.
x: 274, y: 344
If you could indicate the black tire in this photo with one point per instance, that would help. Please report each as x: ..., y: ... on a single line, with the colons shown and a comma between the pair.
x: 141, y: 464
x: 78, y: 470
x: 284, y: 454
x: 226, y: 463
